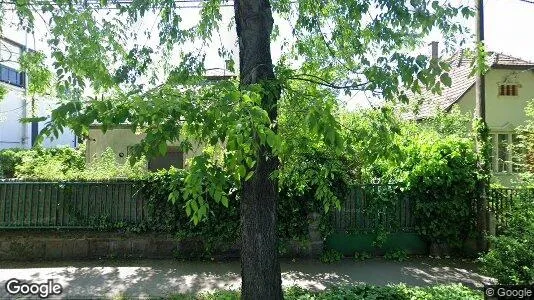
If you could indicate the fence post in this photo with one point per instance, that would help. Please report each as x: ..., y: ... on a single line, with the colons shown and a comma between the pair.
x: 316, y: 240
x: 492, y: 223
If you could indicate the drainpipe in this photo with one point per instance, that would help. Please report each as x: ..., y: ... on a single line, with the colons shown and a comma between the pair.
x: 24, y: 136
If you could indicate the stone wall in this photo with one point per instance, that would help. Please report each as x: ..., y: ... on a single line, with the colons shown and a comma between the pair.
x: 47, y: 245
x: 68, y: 244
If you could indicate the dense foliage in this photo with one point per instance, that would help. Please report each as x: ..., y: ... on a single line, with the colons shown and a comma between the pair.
x: 9, y: 159
x: 439, y: 173
x: 435, y: 169
x: 525, y: 150
x: 332, y: 45
x: 64, y: 163
x: 3, y: 92
x: 133, y: 81
x: 364, y: 292
x: 50, y: 163
x: 511, y: 255
x: 221, y: 228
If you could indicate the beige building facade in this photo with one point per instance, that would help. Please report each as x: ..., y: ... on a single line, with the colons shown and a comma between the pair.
x: 121, y: 138
x: 509, y: 87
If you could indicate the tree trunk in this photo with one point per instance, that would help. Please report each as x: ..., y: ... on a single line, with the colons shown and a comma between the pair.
x: 260, y: 268
x: 481, y: 139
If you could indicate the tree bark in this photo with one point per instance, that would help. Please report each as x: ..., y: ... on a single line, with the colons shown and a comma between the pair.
x: 260, y: 267
x: 481, y: 139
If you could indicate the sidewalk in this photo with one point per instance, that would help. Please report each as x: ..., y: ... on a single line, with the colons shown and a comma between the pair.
x: 142, y: 278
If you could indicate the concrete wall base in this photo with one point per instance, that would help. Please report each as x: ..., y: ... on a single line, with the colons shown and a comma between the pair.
x: 61, y: 245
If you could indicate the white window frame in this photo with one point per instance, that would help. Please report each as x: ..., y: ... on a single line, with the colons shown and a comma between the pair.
x: 495, y: 152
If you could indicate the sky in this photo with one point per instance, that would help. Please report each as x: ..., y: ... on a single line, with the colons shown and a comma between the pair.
x: 508, y: 29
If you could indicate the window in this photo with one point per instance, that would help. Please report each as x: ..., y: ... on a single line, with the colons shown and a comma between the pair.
x: 10, y: 54
x: 174, y: 157
x: 508, y: 89
x: 505, y: 155
x: 502, y: 153
x: 11, y: 76
x: 516, y: 155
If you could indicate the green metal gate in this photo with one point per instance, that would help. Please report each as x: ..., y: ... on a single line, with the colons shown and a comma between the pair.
x: 375, y: 218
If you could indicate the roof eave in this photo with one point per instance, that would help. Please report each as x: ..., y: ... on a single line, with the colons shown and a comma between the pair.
x: 512, y: 67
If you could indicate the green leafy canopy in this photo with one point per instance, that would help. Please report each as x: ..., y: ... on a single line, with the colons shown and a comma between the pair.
x: 329, y: 47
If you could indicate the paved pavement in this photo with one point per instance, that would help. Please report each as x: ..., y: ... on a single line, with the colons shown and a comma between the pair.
x: 142, y: 278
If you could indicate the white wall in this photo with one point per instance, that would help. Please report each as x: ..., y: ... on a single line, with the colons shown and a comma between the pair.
x: 15, y: 134
x: 16, y: 104
x: 12, y: 131
x: 43, y: 108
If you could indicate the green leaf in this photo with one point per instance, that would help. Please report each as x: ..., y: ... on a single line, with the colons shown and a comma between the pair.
x: 202, y: 211
x: 188, y: 209
x: 217, y: 195
x: 224, y: 201
x: 446, y: 79
x: 162, y: 148
x: 242, y: 170
x: 230, y: 65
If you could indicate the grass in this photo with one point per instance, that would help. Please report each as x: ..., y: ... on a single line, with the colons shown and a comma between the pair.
x: 360, y: 291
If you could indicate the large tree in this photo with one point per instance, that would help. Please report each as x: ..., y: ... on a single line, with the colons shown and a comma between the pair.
x: 326, y: 47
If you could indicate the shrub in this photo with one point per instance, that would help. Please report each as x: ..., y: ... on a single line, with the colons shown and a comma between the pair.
x: 511, y: 256
x: 106, y: 167
x: 50, y: 163
x: 397, y: 255
x: 361, y: 255
x: 9, y: 158
x: 64, y: 163
x: 524, y: 151
x: 220, y: 229
x: 439, y: 174
x: 331, y: 256
x: 394, y: 292
x: 359, y: 291
x: 164, y: 216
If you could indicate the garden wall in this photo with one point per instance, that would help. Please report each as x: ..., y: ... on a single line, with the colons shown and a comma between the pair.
x: 87, y: 220
x: 90, y: 220
x: 46, y: 245
x: 61, y: 245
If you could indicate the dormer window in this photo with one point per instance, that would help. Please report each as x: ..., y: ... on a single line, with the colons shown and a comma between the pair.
x: 508, y: 89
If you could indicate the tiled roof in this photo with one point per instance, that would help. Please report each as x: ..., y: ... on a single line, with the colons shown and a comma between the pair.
x: 500, y: 59
x: 460, y: 72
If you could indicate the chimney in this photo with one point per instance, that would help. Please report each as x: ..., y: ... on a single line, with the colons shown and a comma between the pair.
x: 434, y: 46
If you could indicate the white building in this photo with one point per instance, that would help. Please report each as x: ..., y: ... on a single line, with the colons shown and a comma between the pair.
x: 17, y: 105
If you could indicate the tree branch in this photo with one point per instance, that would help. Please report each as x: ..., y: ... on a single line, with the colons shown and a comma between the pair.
x: 321, y: 81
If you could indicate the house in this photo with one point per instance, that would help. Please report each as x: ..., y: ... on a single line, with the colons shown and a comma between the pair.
x: 17, y: 104
x: 509, y: 86
x: 120, y: 138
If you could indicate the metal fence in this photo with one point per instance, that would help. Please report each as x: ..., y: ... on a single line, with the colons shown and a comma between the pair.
x: 68, y: 204
x: 368, y: 208
x: 503, y: 201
